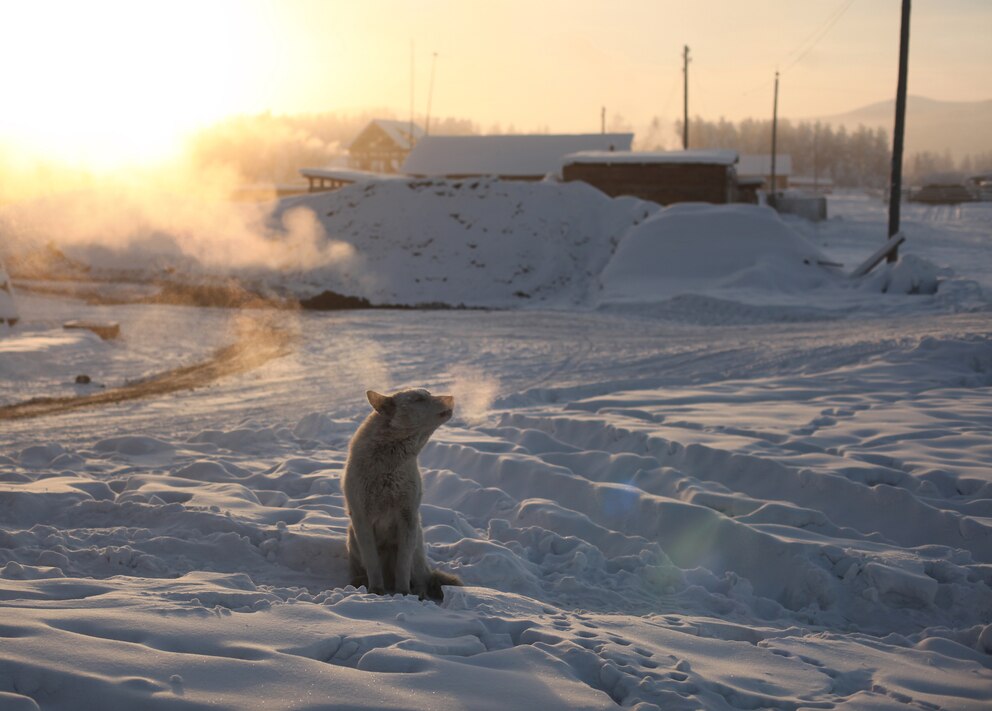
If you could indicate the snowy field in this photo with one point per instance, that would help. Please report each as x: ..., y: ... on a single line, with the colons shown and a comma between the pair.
x: 749, y: 483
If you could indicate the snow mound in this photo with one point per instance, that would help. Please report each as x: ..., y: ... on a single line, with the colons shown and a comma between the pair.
x: 909, y: 275
x: 480, y: 242
x: 695, y: 247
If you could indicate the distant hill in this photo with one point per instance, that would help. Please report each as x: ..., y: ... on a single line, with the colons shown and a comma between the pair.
x: 963, y: 127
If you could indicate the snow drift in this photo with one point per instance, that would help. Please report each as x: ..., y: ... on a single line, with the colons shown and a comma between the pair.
x: 698, y: 247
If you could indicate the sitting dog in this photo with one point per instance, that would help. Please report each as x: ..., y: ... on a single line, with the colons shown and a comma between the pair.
x: 382, y: 491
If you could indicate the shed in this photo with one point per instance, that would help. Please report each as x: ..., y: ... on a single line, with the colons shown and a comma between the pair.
x: 383, y: 145
x: 664, y: 177
x: 981, y: 186
x: 512, y: 157
x: 759, y: 165
x: 942, y: 193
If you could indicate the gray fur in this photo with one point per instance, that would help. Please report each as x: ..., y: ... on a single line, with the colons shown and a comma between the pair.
x: 382, y: 490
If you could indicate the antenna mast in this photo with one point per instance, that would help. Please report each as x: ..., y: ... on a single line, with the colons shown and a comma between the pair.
x: 685, y: 98
x: 412, y: 59
x: 771, y: 188
x: 430, y: 96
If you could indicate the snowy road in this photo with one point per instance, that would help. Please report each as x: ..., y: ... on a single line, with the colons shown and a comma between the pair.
x: 339, y: 355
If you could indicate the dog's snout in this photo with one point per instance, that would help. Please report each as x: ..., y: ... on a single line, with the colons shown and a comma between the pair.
x: 445, y: 414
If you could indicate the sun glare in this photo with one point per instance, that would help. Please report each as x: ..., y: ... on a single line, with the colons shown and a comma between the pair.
x: 106, y: 84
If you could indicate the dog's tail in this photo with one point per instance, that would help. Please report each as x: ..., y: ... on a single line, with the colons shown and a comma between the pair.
x: 439, y: 578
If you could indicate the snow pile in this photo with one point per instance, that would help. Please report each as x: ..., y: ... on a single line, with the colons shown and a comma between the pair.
x: 481, y: 242
x: 698, y: 248
x: 909, y: 275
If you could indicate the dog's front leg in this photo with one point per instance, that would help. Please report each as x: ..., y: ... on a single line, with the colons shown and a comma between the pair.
x: 421, y: 572
x: 370, y: 554
x: 406, y: 550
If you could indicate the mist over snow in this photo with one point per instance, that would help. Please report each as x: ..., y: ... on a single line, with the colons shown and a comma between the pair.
x: 690, y: 465
x: 147, y: 231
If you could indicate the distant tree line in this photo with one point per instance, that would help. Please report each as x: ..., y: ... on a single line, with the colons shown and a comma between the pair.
x: 928, y: 164
x: 858, y: 158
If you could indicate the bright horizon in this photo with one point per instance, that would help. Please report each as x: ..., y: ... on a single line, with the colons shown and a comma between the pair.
x: 110, y: 83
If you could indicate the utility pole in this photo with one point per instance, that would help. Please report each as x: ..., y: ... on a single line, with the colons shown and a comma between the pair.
x: 430, y: 97
x: 772, y: 187
x: 895, y: 184
x: 602, y: 120
x: 685, y: 98
x: 816, y: 158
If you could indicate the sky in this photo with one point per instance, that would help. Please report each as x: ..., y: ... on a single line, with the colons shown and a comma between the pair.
x: 112, y: 80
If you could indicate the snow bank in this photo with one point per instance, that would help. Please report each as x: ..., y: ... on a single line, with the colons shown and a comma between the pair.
x: 698, y: 248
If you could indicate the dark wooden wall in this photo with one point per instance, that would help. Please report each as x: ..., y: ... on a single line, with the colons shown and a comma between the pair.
x: 664, y: 183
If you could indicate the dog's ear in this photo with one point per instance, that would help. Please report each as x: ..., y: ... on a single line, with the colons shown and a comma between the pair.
x: 383, y: 404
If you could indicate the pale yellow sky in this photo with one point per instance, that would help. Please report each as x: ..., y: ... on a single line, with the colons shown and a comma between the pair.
x: 127, y: 78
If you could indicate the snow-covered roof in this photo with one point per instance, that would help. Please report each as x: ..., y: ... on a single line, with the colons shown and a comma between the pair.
x: 515, y: 155
x: 347, y: 175
x: 399, y: 132
x: 759, y: 164
x: 694, y: 157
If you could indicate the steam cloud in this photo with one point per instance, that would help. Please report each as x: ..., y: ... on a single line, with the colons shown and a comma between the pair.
x: 177, y: 217
x: 474, y: 392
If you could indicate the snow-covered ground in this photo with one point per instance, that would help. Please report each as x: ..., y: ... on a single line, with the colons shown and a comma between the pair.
x: 768, y: 488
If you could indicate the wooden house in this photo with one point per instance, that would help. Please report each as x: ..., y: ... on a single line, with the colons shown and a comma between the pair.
x: 383, y: 145
x: 664, y: 177
x: 510, y: 157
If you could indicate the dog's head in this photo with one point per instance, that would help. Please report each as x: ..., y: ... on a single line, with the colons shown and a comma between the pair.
x: 413, y: 410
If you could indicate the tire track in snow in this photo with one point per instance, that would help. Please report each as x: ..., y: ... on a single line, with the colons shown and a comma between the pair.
x: 257, y: 344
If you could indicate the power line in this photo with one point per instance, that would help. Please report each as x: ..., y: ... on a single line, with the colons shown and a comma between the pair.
x: 814, y: 39
x: 801, y: 50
